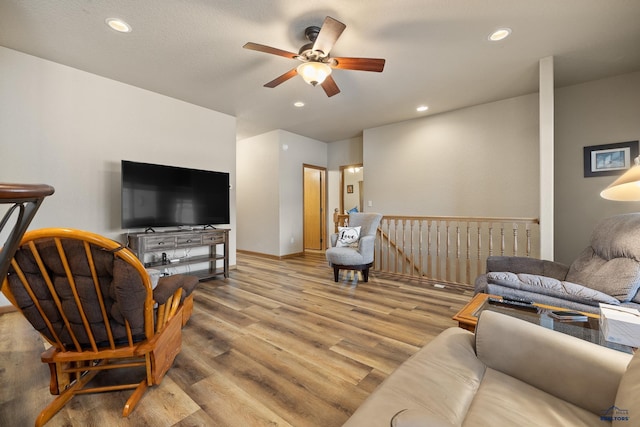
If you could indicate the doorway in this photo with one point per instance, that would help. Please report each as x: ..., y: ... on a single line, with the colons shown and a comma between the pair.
x: 314, y: 201
x: 351, y: 188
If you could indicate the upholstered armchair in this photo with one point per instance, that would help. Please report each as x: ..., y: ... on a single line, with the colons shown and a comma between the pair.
x: 607, y: 271
x: 352, y: 247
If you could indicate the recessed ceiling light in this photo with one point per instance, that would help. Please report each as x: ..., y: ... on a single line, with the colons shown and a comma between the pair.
x: 118, y: 25
x: 422, y: 108
x: 500, y: 34
x: 298, y: 104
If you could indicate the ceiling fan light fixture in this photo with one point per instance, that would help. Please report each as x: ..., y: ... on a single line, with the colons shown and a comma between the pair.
x: 314, y: 73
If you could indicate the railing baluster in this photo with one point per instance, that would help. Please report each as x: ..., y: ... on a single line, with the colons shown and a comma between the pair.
x: 437, y: 260
x: 404, y: 245
x: 480, y: 270
x: 411, y: 260
x: 457, y: 265
x: 429, y: 249
x: 395, y: 263
x: 467, y: 264
x: 420, y: 269
x: 447, y: 258
x: 490, y: 239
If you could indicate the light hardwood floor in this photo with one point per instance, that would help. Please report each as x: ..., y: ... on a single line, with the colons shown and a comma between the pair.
x: 278, y: 343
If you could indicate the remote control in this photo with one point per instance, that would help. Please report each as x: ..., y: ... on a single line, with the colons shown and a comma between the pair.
x: 516, y: 299
x: 526, y: 305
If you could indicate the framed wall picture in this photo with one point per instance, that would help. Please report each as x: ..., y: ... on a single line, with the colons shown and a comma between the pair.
x: 609, y: 159
x: 349, y: 188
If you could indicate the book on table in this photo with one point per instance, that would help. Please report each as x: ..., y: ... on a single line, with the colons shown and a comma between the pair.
x: 568, y: 316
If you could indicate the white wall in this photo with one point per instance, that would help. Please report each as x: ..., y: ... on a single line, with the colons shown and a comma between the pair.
x: 344, y: 152
x: 259, y: 193
x: 270, y: 190
x: 593, y: 113
x: 301, y: 151
x: 70, y: 129
x: 477, y: 161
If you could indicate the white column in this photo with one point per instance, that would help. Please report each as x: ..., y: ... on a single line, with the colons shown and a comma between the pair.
x: 546, y: 157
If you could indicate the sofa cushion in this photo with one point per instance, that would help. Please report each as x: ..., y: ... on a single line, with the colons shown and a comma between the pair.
x: 617, y: 237
x: 551, y: 287
x: 418, y: 418
x: 612, y: 263
x: 441, y: 378
x: 555, y: 363
x: 344, y: 256
x: 506, y: 401
x: 627, y: 402
x: 527, y: 265
x: 618, y: 277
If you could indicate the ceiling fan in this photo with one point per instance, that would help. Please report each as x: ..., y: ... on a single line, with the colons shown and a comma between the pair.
x: 316, y: 63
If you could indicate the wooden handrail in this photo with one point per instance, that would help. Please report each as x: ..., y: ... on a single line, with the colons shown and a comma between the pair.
x: 25, y: 200
x: 12, y: 193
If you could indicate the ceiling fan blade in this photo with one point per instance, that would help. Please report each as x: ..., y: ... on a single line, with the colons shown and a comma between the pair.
x: 328, y: 35
x: 360, y: 64
x: 269, y: 49
x: 281, y: 79
x: 330, y: 87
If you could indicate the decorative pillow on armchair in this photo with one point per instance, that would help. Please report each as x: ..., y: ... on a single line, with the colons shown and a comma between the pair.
x: 348, y: 237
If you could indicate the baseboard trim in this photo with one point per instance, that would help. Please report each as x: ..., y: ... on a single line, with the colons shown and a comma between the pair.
x: 262, y: 255
x: 7, y: 309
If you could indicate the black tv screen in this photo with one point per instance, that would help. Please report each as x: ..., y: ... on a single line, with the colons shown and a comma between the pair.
x: 169, y: 196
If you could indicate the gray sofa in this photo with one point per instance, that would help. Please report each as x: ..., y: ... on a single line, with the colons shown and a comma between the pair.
x: 510, y: 373
x: 607, y: 271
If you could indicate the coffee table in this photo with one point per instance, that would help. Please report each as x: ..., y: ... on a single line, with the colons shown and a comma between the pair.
x: 467, y: 318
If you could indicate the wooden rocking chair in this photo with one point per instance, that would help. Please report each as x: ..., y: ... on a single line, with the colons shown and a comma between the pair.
x: 93, y: 301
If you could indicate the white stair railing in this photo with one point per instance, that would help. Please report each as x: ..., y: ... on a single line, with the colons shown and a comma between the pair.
x: 448, y: 248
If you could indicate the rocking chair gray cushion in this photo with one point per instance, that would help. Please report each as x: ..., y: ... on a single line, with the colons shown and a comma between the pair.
x: 360, y: 257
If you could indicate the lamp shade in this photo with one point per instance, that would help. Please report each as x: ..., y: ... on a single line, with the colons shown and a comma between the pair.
x: 626, y: 187
x: 314, y: 72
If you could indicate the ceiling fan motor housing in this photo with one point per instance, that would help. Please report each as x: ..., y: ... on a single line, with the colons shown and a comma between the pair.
x: 306, y: 52
x: 311, y: 33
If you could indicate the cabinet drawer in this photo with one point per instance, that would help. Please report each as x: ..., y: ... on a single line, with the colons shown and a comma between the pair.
x: 189, y: 240
x: 210, y: 239
x: 159, y: 242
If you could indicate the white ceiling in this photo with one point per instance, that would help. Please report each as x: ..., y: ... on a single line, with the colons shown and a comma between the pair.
x: 437, y: 52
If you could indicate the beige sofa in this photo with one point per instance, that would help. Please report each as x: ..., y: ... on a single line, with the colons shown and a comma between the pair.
x: 510, y: 373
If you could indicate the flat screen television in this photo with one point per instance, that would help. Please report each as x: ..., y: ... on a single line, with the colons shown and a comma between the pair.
x: 168, y: 196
